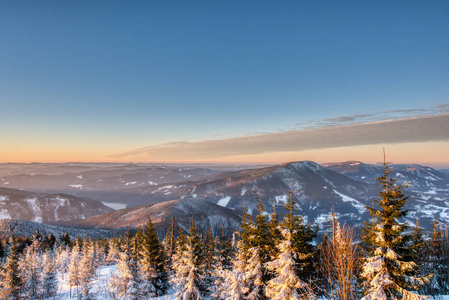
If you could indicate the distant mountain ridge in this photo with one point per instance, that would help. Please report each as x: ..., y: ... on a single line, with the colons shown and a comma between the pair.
x: 47, y: 208
x: 207, y: 216
x: 28, y: 228
x: 347, y: 187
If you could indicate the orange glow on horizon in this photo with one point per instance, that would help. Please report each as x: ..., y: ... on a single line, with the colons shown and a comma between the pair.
x: 433, y: 154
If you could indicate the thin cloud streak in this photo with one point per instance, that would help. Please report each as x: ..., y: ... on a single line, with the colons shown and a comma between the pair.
x: 417, y: 129
x: 376, y: 116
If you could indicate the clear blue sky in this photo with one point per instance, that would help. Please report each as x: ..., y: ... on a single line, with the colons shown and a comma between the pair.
x: 118, y: 75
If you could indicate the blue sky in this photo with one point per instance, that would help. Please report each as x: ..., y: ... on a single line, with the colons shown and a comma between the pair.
x: 106, y: 77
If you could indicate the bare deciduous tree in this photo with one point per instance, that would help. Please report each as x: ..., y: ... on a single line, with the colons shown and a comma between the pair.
x: 339, y: 261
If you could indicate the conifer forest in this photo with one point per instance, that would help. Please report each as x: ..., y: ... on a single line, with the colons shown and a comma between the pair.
x: 271, y: 257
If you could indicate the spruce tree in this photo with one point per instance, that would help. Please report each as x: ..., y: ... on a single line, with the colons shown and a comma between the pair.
x: 125, y: 282
x: 188, y: 267
x: 152, y: 262
x: 30, y: 266
x: 387, y: 273
x: 10, y: 281
x: 254, y: 250
x: 295, y: 252
x: 49, y: 286
x: 73, y: 268
x: 87, y: 269
x: 435, y: 261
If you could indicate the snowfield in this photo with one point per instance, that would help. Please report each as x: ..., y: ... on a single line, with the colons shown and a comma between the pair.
x: 100, y: 287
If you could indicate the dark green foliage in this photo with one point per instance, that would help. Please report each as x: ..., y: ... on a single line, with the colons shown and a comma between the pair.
x: 386, y: 241
x: 302, y: 239
x: 65, y: 240
x: 225, y: 252
x: 10, y: 281
x: 190, y: 274
x: 152, y: 261
x: 435, y: 261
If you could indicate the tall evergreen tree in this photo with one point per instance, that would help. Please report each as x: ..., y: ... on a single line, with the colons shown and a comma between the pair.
x: 49, y: 286
x: 249, y: 274
x: 435, y: 261
x: 10, y: 281
x: 87, y: 269
x: 295, y: 252
x: 188, y: 266
x: 152, y: 263
x: 386, y: 271
x: 125, y: 283
x: 30, y: 266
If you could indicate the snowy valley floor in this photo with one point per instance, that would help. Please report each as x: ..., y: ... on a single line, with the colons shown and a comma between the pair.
x: 100, y: 287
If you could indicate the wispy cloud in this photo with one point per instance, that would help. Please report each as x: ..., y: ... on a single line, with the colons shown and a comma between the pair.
x: 332, y: 133
x: 375, y: 116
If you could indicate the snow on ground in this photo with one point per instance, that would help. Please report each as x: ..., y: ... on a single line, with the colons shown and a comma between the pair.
x: 4, y: 214
x: 353, y: 201
x: 99, y: 289
x: 99, y: 285
x: 115, y: 206
x: 224, y: 201
x: 77, y: 186
x: 34, y: 205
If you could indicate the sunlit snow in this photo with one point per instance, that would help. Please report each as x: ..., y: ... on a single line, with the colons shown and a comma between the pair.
x: 224, y: 201
x: 353, y: 201
x: 115, y: 206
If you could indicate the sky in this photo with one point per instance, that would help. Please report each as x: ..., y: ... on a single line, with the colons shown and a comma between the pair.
x: 224, y: 81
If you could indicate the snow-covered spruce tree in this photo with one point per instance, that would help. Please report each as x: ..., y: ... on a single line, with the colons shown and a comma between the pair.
x: 169, y: 245
x: 62, y: 259
x: 125, y: 282
x: 294, y: 254
x: 87, y: 269
x: 249, y: 275
x: 188, y: 267
x: 435, y: 260
x: 286, y: 284
x: 49, y: 286
x: 222, y: 264
x: 152, y: 263
x: 30, y: 266
x: 114, y: 250
x: 224, y: 252
x: 73, y: 269
x: 11, y: 284
x: 387, y: 273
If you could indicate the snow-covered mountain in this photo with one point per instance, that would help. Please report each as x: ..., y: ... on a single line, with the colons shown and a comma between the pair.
x: 207, y: 216
x: 109, y: 183
x: 347, y: 187
x: 47, y: 208
x: 28, y: 228
x: 428, y: 189
x: 418, y: 177
x: 98, y: 177
x: 318, y: 190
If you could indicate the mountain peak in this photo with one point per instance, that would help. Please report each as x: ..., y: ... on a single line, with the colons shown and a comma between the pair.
x: 304, y: 164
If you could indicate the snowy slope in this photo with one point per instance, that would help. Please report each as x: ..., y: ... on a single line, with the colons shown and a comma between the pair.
x: 52, y: 208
